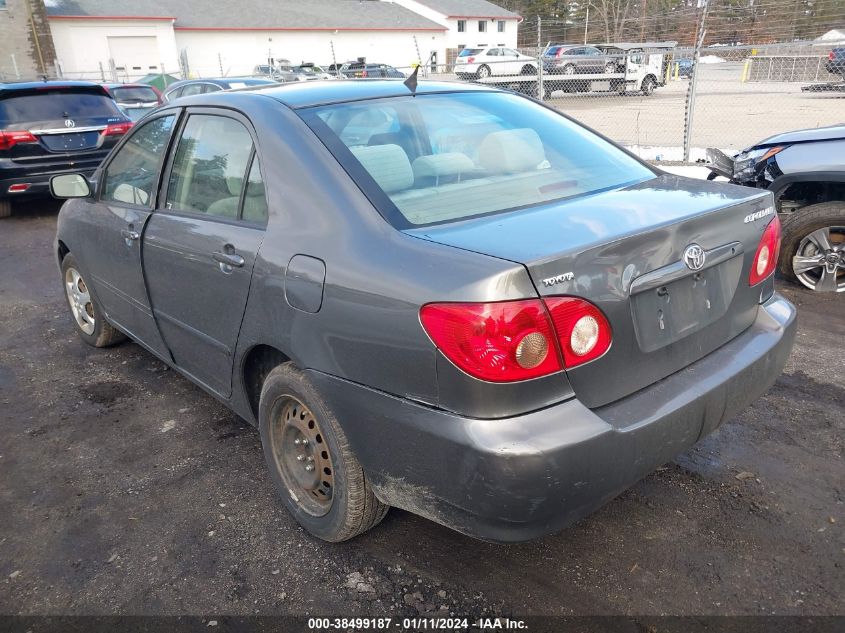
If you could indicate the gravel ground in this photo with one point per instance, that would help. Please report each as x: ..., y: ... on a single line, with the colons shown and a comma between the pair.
x: 125, y: 489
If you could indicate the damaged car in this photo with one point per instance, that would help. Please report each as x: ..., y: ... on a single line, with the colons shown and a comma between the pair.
x: 805, y: 170
x: 481, y: 312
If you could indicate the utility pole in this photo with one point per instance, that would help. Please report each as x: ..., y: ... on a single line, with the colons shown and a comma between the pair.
x: 586, y: 24
x: 540, y: 90
x: 693, y: 80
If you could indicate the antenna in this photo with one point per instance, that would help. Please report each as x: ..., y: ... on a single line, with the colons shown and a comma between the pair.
x: 411, y: 82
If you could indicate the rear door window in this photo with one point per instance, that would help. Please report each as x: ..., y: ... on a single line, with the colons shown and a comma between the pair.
x: 210, y: 166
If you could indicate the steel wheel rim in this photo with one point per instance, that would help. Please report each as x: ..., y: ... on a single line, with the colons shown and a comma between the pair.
x: 79, y: 298
x: 484, y: 72
x: 819, y: 261
x: 569, y: 70
x: 302, y: 456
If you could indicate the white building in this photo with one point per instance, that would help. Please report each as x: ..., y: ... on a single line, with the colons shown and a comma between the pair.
x: 230, y: 38
x: 469, y: 23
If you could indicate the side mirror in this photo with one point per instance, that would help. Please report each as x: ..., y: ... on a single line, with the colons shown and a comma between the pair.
x: 70, y: 186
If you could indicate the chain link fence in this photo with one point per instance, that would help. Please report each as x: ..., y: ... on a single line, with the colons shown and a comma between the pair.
x: 664, y: 101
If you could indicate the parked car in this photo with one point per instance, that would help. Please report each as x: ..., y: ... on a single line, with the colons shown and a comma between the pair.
x: 134, y: 100
x: 188, y: 87
x: 571, y: 60
x: 806, y: 173
x: 370, y: 70
x: 51, y: 127
x: 835, y: 63
x: 685, y: 65
x: 519, y: 321
x: 480, y: 63
x: 314, y: 71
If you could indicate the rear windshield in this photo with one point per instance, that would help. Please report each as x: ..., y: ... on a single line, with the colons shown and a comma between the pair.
x: 445, y: 157
x: 129, y: 95
x: 553, y: 50
x: 49, y: 105
x: 470, y: 51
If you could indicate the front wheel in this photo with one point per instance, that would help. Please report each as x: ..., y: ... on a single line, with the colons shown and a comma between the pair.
x: 813, y: 251
x: 569, y: 69
x: 610, y: 68
x: 648, y: 86
x: 91, y: 324
x: 483, y: 72
x: 311, y: 463
x: 528, y: 69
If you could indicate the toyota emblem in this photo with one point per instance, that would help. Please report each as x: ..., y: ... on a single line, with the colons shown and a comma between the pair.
x: 70, y: 123
x: 694, y: 257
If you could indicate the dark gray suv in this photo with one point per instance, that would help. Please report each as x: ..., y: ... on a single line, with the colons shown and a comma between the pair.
x: 480, y: 311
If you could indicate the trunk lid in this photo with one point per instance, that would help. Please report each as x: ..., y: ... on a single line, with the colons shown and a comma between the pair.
x: 623, y: 250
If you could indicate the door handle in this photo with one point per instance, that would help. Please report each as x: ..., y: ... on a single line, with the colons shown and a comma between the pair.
x: 229, y: 259
x: 129, y: 235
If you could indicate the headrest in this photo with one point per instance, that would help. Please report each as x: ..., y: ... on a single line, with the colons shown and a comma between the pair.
x: 511, y: 151
x: 437, y: 165
x: 387, y: 164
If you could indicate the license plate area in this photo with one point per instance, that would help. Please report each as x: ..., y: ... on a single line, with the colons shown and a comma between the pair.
x: 70, y: 142
x: 664, y: 313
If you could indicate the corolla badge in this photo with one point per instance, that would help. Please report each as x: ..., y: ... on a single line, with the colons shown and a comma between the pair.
x: 70, y: 123
x: 694, y: 257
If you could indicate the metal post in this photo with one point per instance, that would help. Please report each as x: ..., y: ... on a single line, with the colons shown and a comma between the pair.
x: 586, y: 24
x: 419, y: 57
x: 540, y: 90
x: 15, y: 66
x: 113, y: 70
x: 220, y: 63
x: 691, y: 88
x: 102, y: 72
x: 334, y: 59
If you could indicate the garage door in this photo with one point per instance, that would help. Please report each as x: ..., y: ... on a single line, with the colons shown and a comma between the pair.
x: 134, y: 56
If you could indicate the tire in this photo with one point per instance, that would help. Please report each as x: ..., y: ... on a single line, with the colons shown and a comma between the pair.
x: 483, y: 72
x: 648, y: 86
x: 291, y: 410
x: 804, y: 232
x: 528, y: 69
x: 610, y: 68
x: 569, y: 69
x: 91, y: 324
x: 5, y: 208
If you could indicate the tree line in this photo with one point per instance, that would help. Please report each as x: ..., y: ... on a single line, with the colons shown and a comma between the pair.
x: 728, y: 22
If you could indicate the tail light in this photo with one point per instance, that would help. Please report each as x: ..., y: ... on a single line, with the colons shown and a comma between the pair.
x: 830, y: 56
x: 364, y: 73
x: 470, y: 60
x: 766, y: 257
x: 517, y: 340
x: 117, y: 129
x: 583, y: 331
x: 15, y: 137
x: 559, y: 52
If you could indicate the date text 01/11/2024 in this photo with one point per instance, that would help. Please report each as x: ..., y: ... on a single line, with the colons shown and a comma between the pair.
x: 415, y: 624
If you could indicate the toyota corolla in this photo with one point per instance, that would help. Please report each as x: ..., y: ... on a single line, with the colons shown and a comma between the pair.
x: 452, y: 299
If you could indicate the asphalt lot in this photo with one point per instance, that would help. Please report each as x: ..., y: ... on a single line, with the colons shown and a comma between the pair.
x: 125, y: 489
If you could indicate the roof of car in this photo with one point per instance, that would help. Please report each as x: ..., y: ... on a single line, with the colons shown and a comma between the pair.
x: 46, y: 85
x: 222, y: 81
x: 311, y: 93
x: 120, y: 85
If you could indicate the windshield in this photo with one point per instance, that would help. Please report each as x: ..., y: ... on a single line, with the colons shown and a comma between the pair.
x: 469, y: 51
x: 56, y: 104
x: 445, y: 157
x: 134, y: 94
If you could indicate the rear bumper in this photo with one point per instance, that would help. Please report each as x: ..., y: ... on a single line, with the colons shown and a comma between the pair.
x: 519, y: 478
x: 39, y: 183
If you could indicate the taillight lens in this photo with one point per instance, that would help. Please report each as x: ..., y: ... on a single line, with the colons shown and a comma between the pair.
x: 470, y: 60
x: 830, y: 56
x: 9, y: 139
x: 117, y: 129
x: 583, y: 331
x: 766, y: 257
x: 517, y: 340
x: 499, y: 342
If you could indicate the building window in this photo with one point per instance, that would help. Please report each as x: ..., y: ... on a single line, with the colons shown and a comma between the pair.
x: 462, y: 26
x: 501, y: 26
x: 2, y: 4
x: 482, y: 26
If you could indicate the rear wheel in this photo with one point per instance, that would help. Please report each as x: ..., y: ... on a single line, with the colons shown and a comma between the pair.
x: 311, y: 463
x: 569, y: 69
x: 5, y: 208
x: 813, y: 251
x: 483, y: 71
x: 528, y: 69
x: 91, y: 325
x: 610, y: 68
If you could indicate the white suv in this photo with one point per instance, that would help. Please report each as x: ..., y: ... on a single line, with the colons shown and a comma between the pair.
x: 480, y: 63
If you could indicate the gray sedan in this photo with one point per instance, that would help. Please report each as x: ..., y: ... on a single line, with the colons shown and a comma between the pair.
x: 479, y: 311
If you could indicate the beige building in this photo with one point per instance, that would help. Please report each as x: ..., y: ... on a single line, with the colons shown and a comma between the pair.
x: 26, y: 44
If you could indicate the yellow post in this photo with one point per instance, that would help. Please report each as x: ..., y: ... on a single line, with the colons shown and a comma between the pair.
x: 677, y: 71
x: 668, y: 72
x: 745, y: 68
